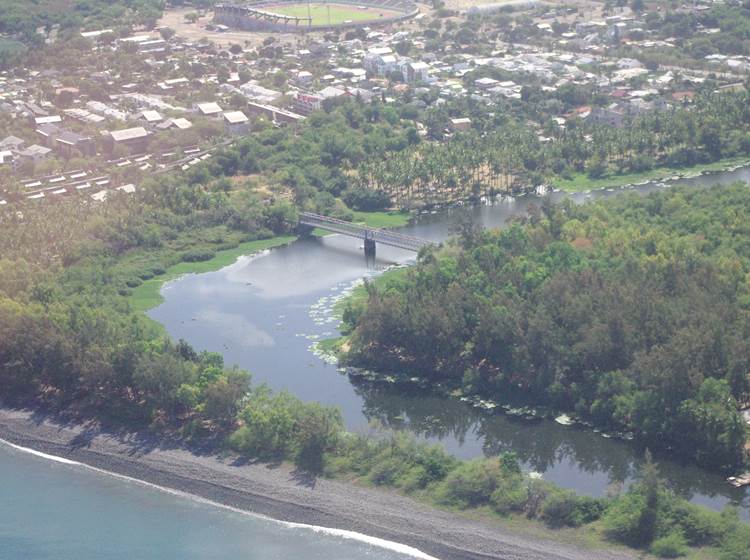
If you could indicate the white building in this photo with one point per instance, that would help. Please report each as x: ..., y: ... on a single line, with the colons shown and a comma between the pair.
x: 208, y: 109
x: 236, y: 123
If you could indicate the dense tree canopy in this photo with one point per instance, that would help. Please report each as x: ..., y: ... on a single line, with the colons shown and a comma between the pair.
x: 632, y: 312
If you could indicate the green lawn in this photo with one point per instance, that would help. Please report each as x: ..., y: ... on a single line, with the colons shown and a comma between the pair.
x: 382, y: 219
x: 147, y: 296
x: 329, y: 14
x: 581, y: 182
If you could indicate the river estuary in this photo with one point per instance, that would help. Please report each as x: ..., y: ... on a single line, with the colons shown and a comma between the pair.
x: 264, y: 313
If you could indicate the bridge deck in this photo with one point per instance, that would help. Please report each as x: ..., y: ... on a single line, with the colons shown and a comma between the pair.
x: 384, y: 236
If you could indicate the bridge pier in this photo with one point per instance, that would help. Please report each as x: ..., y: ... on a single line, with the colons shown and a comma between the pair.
x: 369, y: 247
x: 304, y: 230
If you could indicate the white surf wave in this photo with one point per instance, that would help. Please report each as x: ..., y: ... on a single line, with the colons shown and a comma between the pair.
x: 341, y: 533
x: 54, y: 458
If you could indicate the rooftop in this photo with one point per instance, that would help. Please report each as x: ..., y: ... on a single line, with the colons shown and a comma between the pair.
x: 235, y: 117
x: 209, y: 108
x: 129, y: 134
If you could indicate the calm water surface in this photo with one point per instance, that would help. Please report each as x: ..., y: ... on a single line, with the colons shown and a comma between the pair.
x: 265, y: 312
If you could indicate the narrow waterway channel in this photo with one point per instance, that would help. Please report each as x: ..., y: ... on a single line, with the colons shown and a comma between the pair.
x: 265, y: 312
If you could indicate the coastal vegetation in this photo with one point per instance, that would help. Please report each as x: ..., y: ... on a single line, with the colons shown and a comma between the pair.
x: 629, y: 313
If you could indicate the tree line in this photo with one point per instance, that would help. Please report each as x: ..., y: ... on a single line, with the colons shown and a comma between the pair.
x: 505, y: 154
x: 631, y: 313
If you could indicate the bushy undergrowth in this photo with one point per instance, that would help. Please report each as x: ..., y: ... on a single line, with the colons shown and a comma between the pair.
x: 647, y: 516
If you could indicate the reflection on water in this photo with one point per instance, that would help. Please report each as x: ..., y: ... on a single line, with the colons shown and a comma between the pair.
x: 571, y: 457
x: 264, y: 313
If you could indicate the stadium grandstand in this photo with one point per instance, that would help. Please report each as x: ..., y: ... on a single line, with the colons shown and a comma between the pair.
x: 296, y: 15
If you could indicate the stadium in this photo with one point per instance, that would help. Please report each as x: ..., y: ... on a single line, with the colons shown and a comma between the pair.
x: 296, y: 15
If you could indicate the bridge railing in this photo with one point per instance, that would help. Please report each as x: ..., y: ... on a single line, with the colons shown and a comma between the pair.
x: 386, y: 237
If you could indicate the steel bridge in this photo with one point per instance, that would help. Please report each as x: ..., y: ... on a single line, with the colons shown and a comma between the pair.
x: 370, y: 235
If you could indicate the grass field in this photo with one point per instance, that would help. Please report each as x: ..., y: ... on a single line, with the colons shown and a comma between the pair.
x: 330, y: 14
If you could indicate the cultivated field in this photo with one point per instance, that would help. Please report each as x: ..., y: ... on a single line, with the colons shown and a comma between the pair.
x: 331, y: 14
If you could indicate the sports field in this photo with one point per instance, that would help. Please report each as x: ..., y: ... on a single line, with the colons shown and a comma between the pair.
x: 331, y: 14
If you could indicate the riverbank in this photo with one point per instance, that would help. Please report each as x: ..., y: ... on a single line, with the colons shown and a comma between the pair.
x: 580, y: 182
x: 280, y: 492
x: 147, y: 295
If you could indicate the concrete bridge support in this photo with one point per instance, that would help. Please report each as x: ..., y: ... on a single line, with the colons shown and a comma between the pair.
x: 369, y: 247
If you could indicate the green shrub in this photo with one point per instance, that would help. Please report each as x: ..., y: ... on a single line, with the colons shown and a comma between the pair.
x: 673, y: 545
x: 700, y: 526
x: 198, y: 255
x: 471, y: 483
x: 133, y: 282
x: 386, y: 472
x: 736, y: 542
x: 623, y: 517
x: 510, y: 495
x: 566, y: 509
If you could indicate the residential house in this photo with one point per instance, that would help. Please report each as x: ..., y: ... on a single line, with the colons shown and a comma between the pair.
x: 415, y: 72
x: 34, y: 153
x: 461, y: 124
x: 181, y: 124
x: 48, y: 133
x: 134, y: 140
x: 236, y: 123
x: 6, y: 157
x: 606, y: 116
x: 258, y: 93
x: 208, y: 110
x: 69, y: 144
x: 380, y: 61
x: 11, y: 143
x: 150, y: 117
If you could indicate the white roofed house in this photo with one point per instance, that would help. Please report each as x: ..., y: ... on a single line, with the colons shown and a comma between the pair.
x: 416, y: 72
x: 49, y: 119
x: 35, y: 153
x: 236, y: 123
x: 380, y: 61
x: 11, y: 143
x: 486, y: 83
x: 461, y: 123
x: 134, y: 140
x: 150, y: 117
x: 260, y: 94
x: 208, y: 109
x: 373, y: 57
x: 180, y: 124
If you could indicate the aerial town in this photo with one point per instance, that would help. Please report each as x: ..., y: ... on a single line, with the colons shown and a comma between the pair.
x: 375, y: 279
x: 190, y: 84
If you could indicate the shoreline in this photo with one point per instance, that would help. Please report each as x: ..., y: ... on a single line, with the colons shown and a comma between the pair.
x: 654, y: 176
x: 280, y: 493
